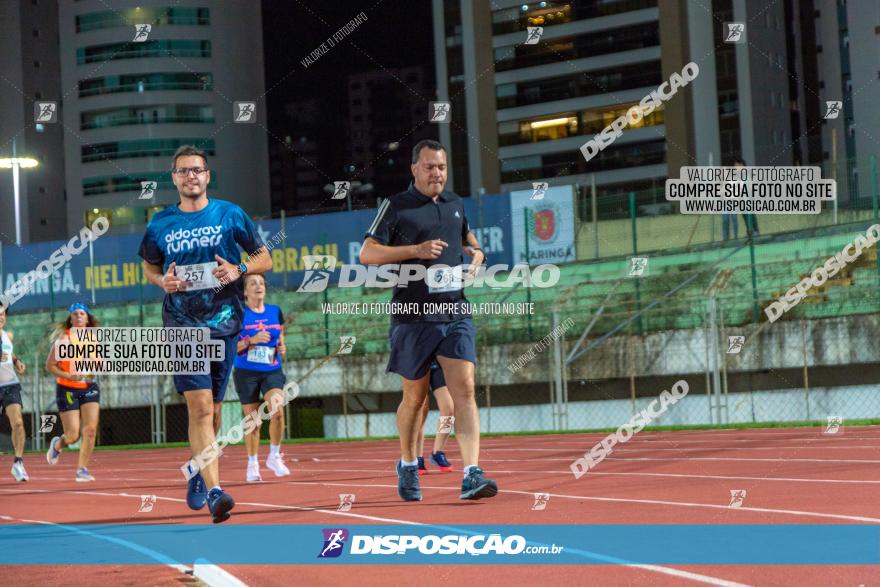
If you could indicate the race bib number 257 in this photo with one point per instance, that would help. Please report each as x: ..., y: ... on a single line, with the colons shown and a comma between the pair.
x: 198, y: 276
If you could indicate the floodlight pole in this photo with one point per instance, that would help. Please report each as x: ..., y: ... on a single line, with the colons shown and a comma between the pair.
x: 15, y: 191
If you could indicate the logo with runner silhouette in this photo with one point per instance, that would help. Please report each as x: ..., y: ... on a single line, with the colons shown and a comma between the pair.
x: 334, y: 541
x: 317, y: 274
x: 345, y: 502
x: 47, y: 422
x: 346, y: 345
x: 147, y: 503
x: 737, y: 497
x: 735, y: 344
x: 141, y: 32
x: 834, y: 425
x: 541, y: 500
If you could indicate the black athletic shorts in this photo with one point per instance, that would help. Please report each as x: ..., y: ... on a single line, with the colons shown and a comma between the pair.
x: 252, y: 386
x: 10, y: 394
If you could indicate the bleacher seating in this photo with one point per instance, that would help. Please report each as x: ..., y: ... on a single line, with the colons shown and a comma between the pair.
x: 780, y: 262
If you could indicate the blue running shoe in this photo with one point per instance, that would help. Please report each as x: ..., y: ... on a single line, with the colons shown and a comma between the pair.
x: 439, y: 458
x: 219, y: 504
x: 422, y: 468
x: 408, y: 483
x: 196, y: 492
x: 475, y: 486
x: 83, y: 475
x: 53, y: 454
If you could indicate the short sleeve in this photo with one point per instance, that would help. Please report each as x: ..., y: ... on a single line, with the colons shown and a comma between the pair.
x: 383, y: 226
x: 280, y: 316
x: 149, y: 250
x: 465, y: 227
x: 245, y: 233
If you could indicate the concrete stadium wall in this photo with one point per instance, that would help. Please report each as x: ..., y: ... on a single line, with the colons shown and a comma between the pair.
x: 789, y: 405
x: 842, y: 344
x: 847, y: 340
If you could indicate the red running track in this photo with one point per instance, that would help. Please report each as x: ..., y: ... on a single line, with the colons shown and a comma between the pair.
x: 791, y: 476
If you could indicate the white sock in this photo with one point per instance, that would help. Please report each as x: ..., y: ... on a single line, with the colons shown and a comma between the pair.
x: 252, y: 459
x: 217, y: 487
x: 404, y: 463
x: 468, y: 468
x: 274, y: 449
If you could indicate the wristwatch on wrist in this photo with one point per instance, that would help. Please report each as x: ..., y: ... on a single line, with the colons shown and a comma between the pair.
x: 242, y: 268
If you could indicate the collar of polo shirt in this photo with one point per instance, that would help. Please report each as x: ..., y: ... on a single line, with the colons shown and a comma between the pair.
x: 444, y: 195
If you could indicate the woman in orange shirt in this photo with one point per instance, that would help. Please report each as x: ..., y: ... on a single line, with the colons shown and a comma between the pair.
x: 77, y: 396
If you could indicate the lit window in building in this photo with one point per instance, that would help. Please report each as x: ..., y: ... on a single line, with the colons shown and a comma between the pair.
x: 94, y: 213
x: 547, y: 13
x: 558, y: 127
x: 596, y: 120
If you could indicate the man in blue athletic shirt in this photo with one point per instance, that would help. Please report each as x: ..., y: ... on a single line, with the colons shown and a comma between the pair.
x: 426, y: 225
x: 191, y: 251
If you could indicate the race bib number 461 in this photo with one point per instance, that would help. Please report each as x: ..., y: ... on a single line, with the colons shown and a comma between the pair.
x: 198, y: 276
x: 442, y: 279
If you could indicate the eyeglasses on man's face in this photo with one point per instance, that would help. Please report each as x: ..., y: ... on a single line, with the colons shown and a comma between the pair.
x: 185, y: 171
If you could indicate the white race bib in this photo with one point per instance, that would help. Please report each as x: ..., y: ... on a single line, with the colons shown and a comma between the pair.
x: 442, y: 279
x: 198, y: 276
x: 261, y: 354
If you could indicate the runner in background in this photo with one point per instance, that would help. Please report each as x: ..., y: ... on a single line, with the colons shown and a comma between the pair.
x: 77, y: 396
x: 258, y: 373
x: 446, y: 408
x: 10, y: 396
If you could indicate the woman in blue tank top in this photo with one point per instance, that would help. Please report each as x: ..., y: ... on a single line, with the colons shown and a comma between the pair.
x: 258, y: 372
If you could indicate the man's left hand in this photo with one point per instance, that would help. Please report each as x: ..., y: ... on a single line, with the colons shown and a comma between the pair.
x: 476, y: 263
x: 225, y: 272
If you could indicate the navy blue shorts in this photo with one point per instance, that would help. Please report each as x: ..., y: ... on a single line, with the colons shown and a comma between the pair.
x: 10, y: 394
x: 252, y: 385
x: 71, y: 398
x: 415, y: 345
x: 219, y: 377
x: 437, y: 379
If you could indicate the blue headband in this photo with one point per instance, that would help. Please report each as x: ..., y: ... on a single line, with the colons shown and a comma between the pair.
x: 78, y: 306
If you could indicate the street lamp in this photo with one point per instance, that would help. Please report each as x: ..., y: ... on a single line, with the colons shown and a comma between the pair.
x: 16, y: 163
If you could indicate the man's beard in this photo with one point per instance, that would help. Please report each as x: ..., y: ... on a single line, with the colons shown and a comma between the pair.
x: 194, y: 196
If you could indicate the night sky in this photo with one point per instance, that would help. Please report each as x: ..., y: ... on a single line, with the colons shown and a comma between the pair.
x: 397, y: 33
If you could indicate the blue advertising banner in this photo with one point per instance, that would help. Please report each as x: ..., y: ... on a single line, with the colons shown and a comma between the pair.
x: 668, y: 544
x: 111, y: 269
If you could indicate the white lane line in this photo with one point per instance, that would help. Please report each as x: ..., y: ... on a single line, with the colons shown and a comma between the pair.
x: 686, y: 449
x: 713, y: 506
x: 752, y: 459
x: 697, y: 577
x: 214, y: 576
x: 255, y: 504
x: 539, y: 439
x: 689, y: 575
x: 613, y: 458
x: 674, y: 475
x: 627, y: 500
x: 529, y: 471
x: 158, y: 557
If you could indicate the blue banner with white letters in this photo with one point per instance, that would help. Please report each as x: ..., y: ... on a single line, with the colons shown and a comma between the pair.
x: 270, y: 544
x: 110, y: 270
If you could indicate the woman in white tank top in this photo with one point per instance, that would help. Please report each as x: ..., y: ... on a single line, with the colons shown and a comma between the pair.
x: 10, y: 396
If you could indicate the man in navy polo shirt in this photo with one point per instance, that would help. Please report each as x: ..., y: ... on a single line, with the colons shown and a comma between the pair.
x: 426, y: 226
